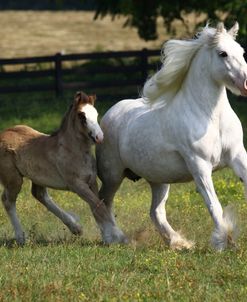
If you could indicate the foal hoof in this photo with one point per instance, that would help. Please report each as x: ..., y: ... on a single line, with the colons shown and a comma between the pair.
x: 74, y: 226
x: 76, y: 229
x: 21, y: 239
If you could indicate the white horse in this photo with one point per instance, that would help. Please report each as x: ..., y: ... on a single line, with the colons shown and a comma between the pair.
x: 182, y: 129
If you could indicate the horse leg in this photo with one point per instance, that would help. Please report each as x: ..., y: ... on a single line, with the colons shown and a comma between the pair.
x: 224, y: 222
x: 106, y: 194
x: 239, y: 166
x: 9, y: 196
x: 41, y: 194
x: 160, y: 194
x: 110, y: 233
x: 111, y: 174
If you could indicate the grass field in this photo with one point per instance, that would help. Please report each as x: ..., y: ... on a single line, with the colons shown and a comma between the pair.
x: 57, y: 266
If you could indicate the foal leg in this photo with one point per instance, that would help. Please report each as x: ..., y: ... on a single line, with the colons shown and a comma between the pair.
x: 9, y: 201
x: 160, y: 194
x: 41, y: 194
x: 110, y: 233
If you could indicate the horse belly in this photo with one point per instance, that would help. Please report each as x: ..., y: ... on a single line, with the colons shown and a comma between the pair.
x: 170, y: 168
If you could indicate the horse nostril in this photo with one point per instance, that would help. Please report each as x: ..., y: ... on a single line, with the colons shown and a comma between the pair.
x: 245, y: 84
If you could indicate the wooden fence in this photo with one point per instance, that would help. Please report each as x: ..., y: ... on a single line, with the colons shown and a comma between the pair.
x: 64, y: 75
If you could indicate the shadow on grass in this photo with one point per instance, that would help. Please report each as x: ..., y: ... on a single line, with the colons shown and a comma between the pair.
x: 40, y: 241
x: 79, y: 242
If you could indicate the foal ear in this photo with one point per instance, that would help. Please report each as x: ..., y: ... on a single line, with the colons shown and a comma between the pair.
x: 92, y: 99
x: 234, y: 30
x: 81, y: 97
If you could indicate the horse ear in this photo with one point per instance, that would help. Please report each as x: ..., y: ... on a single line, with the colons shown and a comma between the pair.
x: 81, y: 97
x: 92, y: 99
x: 220, y: 28
x: 214, y: 39
x: 234, y: 30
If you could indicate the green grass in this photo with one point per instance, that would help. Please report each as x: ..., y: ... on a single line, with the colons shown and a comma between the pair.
x: 41, y: 111
x: 57, y: 266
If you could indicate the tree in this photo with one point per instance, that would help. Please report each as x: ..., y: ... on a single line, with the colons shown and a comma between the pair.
x: 143, y: 14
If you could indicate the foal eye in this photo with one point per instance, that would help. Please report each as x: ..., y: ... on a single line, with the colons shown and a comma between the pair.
x: 82, y: 117
x: 223, y: 54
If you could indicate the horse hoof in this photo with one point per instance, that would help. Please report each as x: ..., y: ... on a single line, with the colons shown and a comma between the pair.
x: 117, y: 236
x: 124, y: 240
x: 226, y: 235
x: 179, y: 243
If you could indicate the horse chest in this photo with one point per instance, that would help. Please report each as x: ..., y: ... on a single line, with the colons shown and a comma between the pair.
x: 208, y: 147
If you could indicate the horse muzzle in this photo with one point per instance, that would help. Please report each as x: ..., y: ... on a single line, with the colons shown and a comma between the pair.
x: 242, y: 86
x: 244, y: 92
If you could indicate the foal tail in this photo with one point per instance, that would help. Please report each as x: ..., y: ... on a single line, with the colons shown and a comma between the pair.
x: 227, y: 233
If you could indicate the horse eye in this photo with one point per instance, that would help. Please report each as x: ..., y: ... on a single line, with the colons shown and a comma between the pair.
x: 223, y: 54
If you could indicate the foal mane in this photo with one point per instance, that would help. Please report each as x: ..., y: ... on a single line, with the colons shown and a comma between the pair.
x: 63, y: 122
x: 176, y: 58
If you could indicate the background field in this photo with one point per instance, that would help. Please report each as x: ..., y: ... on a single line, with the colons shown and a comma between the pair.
x: 34, y: 33
x: 56, y: 266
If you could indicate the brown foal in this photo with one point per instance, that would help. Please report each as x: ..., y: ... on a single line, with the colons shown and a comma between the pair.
x: 62, y: 160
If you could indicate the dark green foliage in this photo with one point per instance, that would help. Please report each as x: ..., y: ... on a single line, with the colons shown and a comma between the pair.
x: 47, y: 5
x: 143, y: 14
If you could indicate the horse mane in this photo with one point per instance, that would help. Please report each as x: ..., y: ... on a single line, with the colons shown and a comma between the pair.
x: 63, y: 122
x: 176, y: 58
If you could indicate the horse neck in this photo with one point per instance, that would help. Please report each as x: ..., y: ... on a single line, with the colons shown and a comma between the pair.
x: 200, y: 89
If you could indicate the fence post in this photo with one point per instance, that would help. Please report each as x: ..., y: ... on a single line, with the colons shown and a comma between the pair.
x: 144, y: 64
x: 58, y: 75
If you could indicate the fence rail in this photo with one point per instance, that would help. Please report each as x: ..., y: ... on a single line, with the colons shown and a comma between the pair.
x: 58, y: 71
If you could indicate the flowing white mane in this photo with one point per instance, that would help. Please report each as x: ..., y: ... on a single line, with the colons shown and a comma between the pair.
x: 176, y: 56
